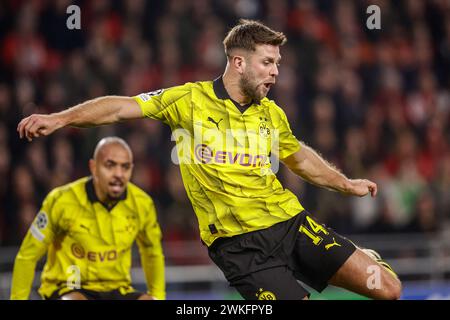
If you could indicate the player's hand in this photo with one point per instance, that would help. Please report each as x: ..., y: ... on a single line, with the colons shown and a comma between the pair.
x: 362, y: 187
x: 38, y: 125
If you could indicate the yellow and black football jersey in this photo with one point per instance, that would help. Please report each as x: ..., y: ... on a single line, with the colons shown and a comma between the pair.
x: 227, y: 156
x: 88, y: 244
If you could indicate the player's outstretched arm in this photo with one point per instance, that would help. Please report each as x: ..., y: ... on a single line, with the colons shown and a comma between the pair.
x: 99, y: 111
x: 309, y: 165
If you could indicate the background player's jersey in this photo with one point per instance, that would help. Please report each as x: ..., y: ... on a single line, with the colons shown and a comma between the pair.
x: 88, y: 245
x: 225, y: 156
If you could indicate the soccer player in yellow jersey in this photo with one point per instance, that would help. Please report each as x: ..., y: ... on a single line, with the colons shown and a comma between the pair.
x: 229, y: 136
x: 87, y: 229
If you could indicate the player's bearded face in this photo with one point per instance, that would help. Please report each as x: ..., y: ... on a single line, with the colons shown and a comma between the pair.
x: 250, y: 86
x: 260, y: 72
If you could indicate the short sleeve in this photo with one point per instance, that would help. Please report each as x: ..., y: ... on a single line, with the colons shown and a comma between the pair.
x: 170, y: 105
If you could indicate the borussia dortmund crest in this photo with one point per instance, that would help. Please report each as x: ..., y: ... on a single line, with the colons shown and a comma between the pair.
x: 265, y: 295
x: 264, y: 130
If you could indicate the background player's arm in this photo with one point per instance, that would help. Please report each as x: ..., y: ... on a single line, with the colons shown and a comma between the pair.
x: 99, y: 111
x: 152, y: 258
x: 30, y: 252
x: 309, y: 165
x: 33, y: 248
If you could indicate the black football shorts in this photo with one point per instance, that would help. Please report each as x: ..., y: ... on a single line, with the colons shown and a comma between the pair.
x: 266, y: 264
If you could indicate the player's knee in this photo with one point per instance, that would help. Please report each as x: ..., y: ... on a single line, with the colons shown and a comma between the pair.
x: 393, y: 288
x: 397, y: 291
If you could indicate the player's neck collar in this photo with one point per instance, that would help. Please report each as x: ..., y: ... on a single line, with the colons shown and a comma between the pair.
x: 92, y: 196
x: 221, y: 93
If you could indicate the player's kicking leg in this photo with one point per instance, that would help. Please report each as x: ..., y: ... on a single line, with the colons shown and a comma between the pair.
x: 362, y: 274
x: 324, y: 257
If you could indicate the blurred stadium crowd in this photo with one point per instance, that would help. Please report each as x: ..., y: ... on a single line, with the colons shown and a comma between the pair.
x: 374, y: 102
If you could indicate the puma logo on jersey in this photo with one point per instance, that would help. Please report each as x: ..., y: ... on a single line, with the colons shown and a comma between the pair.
x: 334, y: 243
x: 213, y: 121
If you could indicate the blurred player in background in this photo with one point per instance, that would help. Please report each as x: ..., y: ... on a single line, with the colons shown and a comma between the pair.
x: 256, y: 231
x: 87, y: 229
